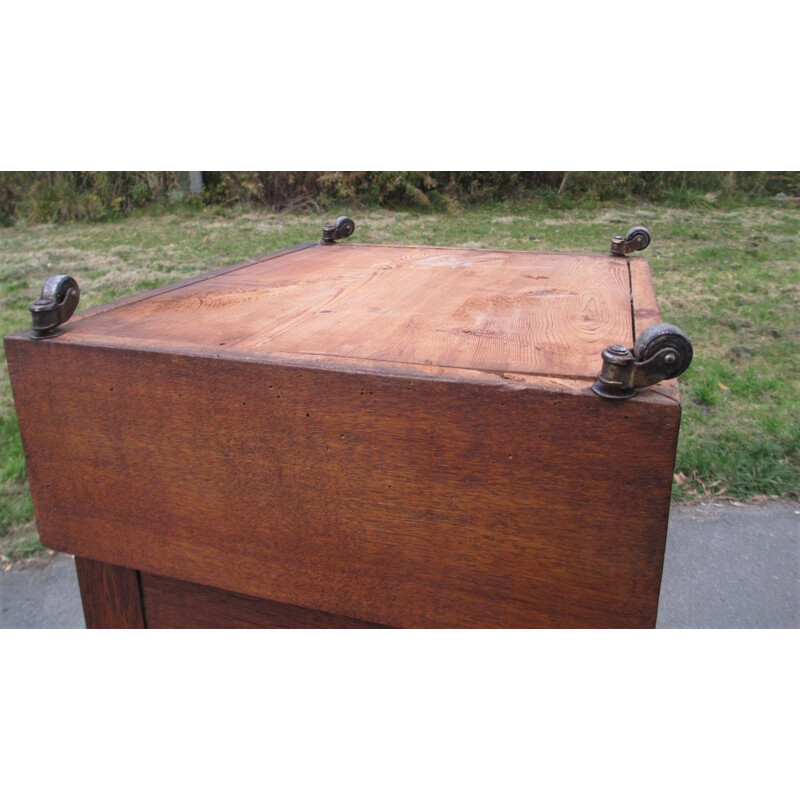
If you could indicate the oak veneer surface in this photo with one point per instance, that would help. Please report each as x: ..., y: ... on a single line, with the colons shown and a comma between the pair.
x: 540, y: 313
x: 398, y: 469
x: 402, y: 502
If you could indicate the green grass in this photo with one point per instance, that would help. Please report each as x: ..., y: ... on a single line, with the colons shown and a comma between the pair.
x: 727, y: 275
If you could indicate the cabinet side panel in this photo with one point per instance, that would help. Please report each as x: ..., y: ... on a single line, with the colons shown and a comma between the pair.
x: 401, y: 502
x: 111, y: 595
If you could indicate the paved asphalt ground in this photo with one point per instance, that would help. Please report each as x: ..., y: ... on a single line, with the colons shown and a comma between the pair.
x: 725, y: 567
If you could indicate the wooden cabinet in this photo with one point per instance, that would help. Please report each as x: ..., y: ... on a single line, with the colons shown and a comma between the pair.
x: 345, y: 435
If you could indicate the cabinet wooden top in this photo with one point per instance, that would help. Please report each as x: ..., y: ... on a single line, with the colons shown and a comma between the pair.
x: 543, y: 314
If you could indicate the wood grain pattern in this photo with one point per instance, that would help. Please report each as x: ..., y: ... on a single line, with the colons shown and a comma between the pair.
x: 428, y: 501
x: 150, y: 293
x: 353, y: 435
x: 536, y: 313
x: 110, y: 594
x: 177, y: 604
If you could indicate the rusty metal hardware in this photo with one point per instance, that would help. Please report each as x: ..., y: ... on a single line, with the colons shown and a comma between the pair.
x: 637, y: 238
x: 660, y: 352
x: 341, y: 229
x: 60, y: 297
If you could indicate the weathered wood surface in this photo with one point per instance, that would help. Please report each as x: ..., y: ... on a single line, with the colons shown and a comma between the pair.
x: 111, y: 595
x: 399, y: 436
x: 177, y: 604
x: 537, y: 313
x: 432, y: 501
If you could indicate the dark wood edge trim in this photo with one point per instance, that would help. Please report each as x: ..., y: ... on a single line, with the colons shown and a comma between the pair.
x: 503, y: 379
